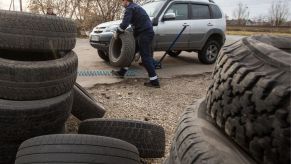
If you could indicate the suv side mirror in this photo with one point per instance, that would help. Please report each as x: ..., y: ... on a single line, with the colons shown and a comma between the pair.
x: 169, y: 16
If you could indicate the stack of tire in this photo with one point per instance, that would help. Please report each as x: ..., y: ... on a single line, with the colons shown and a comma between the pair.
x: 104, y: 141
x: 38, y: 91
x: 38, y: 71
x: 249, y: 101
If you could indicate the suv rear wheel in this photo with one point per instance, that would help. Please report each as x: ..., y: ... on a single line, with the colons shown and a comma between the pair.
x: 103, y: 55
x: 209, y: 52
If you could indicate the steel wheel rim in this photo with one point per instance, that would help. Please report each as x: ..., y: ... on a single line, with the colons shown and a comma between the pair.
x: 212, y: 52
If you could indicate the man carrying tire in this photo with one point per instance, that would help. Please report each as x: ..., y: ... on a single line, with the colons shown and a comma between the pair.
x: 144, y: 34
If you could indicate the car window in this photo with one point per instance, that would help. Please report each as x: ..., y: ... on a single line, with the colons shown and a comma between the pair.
x: 216, y: 13
x: 152, y: 8
x: 200, y: 11
x: 181, y: 11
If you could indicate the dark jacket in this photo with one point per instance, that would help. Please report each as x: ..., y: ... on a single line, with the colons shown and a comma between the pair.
x: 137, y: 17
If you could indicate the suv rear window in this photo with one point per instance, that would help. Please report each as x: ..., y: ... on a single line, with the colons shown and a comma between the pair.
x: 216, y: 13
x: 200, y: 11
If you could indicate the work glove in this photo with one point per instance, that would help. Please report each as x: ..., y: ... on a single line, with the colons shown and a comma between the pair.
x: 117, y: 33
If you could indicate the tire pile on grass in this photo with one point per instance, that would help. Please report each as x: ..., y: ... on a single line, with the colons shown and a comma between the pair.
x: 38, y: 92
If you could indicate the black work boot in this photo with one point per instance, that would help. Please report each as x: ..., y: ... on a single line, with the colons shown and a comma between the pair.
x: 120, y: 73
x: 153, y: 84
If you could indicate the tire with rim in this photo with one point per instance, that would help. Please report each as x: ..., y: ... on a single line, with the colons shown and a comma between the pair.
x: 197, y: 140
x: 249, y: 97
x: 72, y: 148
x: 122, y: 50
x: 209, y: 52
x: 85, y: 106
x: 30, y: 76
x: 23, y: 31
x: 21, y: 120
x: 147, y: 137
x: 103, y: 55
x: 175, y: 53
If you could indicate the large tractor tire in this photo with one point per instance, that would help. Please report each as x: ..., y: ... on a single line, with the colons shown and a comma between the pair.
x: 197, y: 140
x: 250, y: 96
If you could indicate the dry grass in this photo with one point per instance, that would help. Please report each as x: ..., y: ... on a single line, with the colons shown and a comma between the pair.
x: 248, y: 33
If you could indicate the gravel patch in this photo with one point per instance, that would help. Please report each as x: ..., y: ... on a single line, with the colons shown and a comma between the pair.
x: 129, y: 99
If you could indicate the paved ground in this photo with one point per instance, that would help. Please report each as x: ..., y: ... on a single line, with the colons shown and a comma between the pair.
x: 90, y: 65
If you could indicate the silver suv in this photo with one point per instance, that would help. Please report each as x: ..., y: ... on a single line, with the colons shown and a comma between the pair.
x: 205, y: 33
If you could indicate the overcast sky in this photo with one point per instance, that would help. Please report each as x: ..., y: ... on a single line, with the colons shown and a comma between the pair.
x: 256, y: 7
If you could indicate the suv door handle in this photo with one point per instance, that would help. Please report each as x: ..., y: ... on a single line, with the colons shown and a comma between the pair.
x: 209, y: 24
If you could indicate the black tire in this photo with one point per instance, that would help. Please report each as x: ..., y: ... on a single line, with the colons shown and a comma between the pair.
x: 8, y: 151
x: 207, y: 57
x: 148, y: 138
x: 250, y: 97
x: 122, y: 50
x: 35, y: 80
x: 198, y: 141
x: 103, y: 55
x: 85, y: 106
x: 85, y: 149
x: 21, y: 120
x: 36, y: 33
x: 174, y: 53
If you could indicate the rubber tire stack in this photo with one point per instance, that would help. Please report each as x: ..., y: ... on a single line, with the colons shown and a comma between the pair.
x: 249, y: 97
x: 38, y: 71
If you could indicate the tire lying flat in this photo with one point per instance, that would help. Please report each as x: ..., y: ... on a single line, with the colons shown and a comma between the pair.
x: 198, y: 141
x: 85, y: 106
x: 250, y: 96
x: 36, y: 33
x: 79, y: 149
x: 147, y: 137
x: 21, y: 120
x: 35, y: 80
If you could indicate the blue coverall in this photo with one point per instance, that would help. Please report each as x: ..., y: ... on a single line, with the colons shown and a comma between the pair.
x: 143, y: 32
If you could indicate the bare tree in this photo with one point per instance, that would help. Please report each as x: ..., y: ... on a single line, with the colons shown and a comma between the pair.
x: 241, y: 14
x: 86, y: 13
x: 279, y: 12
